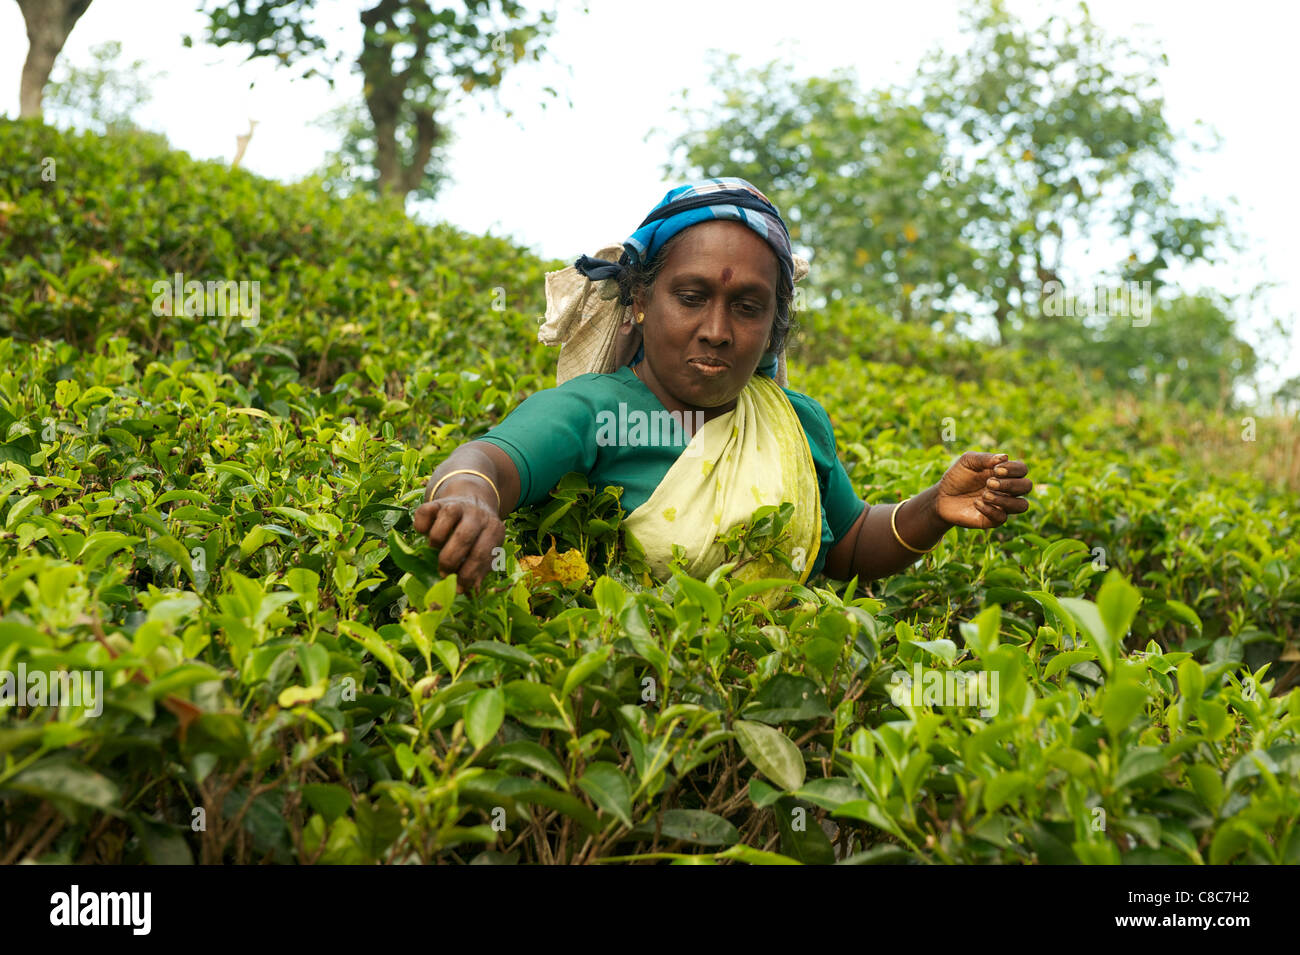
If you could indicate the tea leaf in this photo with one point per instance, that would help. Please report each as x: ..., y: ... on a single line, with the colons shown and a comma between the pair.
x: 609, y: 789
x: 56, y: 779
x: 772, y: 753
x: 483, y: 715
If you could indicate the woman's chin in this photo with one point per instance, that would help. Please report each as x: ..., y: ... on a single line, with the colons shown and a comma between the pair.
x: 715, y: 391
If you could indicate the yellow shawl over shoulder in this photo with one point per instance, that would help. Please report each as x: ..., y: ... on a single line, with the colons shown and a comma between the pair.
x: 754, y: 455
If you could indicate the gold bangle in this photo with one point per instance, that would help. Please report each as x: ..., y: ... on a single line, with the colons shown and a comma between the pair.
x: 465, y: 471
x: 894, y: 527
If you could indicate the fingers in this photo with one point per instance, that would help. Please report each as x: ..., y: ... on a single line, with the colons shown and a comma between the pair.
x: 1013, y: 486
x: 468, y: 569
x: 977, y: 460
x: 446, y: 520
x: 1007, y: 503
x: 982, y: 460
x: 995, y: 514
x: 476, y: 566
x: 424, y: 515
x: 1013, y: 469
x: 460, y: 542
x: 999, y: 463
x: 464, y: 535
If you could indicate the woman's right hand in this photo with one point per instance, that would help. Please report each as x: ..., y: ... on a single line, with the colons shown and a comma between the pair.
x: 462, y: 523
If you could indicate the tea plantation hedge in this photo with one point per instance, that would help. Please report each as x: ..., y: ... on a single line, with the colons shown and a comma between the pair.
x: 217, y: 517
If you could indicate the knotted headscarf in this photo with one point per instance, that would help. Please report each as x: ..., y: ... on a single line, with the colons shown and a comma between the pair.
x: 586, y: 309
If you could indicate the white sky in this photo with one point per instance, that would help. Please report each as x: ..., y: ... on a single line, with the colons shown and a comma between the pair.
x: 566, y: 179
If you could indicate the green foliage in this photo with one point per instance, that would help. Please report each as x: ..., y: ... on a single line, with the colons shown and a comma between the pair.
x: 1063, y: 129
x: 1186, y: 350
x: 101, y: 96
x: 80, y: 268
x: 350, y: 168
x: 217, y: 518
x: 414, y: 59
x: 962, y: 190
x: 857, y: 178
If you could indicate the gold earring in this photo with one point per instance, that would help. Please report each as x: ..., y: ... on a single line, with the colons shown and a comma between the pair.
x: 640, y: 318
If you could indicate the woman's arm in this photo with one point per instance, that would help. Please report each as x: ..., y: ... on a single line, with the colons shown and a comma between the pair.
x: 464, y: 521
x: 981, y: 490
x: 870, y: 551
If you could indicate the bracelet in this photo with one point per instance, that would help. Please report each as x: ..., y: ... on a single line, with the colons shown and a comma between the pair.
x: 894, y: 527
x: 466, y: 471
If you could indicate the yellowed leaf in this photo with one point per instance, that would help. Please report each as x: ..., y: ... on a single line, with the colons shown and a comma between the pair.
x: 294, y: 695
x: 568, y: 568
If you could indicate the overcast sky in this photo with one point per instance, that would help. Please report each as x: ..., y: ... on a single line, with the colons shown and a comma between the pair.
x: 565, y: 179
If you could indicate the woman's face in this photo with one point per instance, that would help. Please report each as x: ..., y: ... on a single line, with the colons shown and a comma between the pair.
x: 710, y: 317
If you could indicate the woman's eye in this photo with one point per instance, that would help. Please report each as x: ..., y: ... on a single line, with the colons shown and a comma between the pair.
x: 693, y: 299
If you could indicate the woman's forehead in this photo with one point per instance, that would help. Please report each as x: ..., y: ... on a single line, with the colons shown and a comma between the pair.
x: 723, y: 251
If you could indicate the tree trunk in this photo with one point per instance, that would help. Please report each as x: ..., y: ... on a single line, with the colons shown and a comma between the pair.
x: 426, y: 137
x: 1000, y: 314
x: 48, y: 24
x: 387, y: 163
x: 385, y: 90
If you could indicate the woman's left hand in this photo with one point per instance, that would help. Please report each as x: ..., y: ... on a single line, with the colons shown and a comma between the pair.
x: 982, y: 489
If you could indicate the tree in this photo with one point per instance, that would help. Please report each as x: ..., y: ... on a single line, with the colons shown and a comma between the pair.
x: 48, y: 24
x: 1185, y: 349
x: 102, y: 96
x: 1287, y: 396
x: 859, y: 178
x: 962, y: 190
x: 1066, y: 127
x: 350, y: 168
x: 413, y: 59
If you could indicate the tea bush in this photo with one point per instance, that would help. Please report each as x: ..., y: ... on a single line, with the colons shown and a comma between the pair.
x: 218, y: 518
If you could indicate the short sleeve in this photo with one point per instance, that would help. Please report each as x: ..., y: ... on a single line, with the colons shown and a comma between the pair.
x: 548, y: 435
x: 841, y: 506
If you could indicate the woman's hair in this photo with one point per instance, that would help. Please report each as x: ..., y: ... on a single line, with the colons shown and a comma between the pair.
x: 638, y: 279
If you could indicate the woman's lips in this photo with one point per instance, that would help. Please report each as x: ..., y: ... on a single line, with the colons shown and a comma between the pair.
x: 711, y: 367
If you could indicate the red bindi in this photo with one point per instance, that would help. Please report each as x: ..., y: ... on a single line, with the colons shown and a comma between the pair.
x: 726, y: 276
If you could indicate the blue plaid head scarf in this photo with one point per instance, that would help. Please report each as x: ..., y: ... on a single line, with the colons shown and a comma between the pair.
x: 691, y: 204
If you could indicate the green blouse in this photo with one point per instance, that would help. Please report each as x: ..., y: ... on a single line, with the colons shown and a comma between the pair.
x: 613, y: 429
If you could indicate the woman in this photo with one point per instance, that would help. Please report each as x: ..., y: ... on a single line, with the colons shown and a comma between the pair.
x: 681, y: 401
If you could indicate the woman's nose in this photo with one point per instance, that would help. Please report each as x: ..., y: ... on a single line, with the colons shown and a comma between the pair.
x: 715, y: 328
